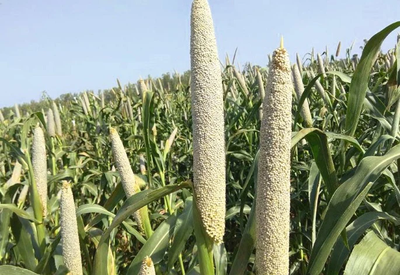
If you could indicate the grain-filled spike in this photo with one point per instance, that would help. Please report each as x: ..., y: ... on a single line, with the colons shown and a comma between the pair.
x: 17, y: 112
x: 51, y: 125
x: 39, y: 165
x: 142, y: 87
x: 69, y: 231
x: 125, y: 170
x: 321, y: 65
x: 338, y: 49
x: 273, y: 187
x: 208, y: 122
x: 57, y: 120
x: 299, y: 88
x: 147, y: 267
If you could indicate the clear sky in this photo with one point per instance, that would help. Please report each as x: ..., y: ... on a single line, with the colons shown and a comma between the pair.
x: 76, y: 45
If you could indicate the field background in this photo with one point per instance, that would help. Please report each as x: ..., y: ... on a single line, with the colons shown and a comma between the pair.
x: 344, y: 175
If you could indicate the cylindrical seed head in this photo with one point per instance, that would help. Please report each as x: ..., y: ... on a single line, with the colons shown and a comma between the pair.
x: 124, y: 169
x: 241, y: 80
x: 170, y: 140
x: 320, y: 89
x: 354, y: 61
x: 51, y: 125
x: 208, y: 122
x: 102, y: 104
x: 321, y: 67
x: 69, y: 231
x: 261, y: 91
x: 299, y: 63
x: 129, y: 109
x: 39, y: 164
x: 87, y: 103
x: 142, y: 87
x: 161, y: 85
x: 16, y: 109
x: 273, y: 187
x: 147, y: 267
x: 299, y: 88
x: 57, y: 120
x: 338, y: 49
x: 73, y: 125
x: 85, y: 111
x: 142, y: 164
x: 1, y: 116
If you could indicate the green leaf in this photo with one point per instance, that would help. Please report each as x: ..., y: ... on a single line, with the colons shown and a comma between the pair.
x: 354, y: 232
x: 194, y: 271
x: 5, y: 216
x: 131, y: 205
x: 320, y: 149
x: 62, y: 270
x: 373, y: 256
x: 21, y: 213
x: 204, y: 244
x: 93, y: 208
x: 15, y: 270
x: 40, y: 117
x: 100, y: 266
x: 246, y: 246
x: 234, y: 210
x: 344, y: 203
x: 374, y: 147
x: 220, y: 259
x: 4, y: 231
x: 155, y: 246
x: 183, y: 230
x: 314, y: 186
x: 344, y: 77
x: 146, y: 115
x: 116, y: 196
x: 137, y: 201
x: 359, y: 82
x: 48, y: 253
x: 24, y: 243
x: 376, y: 114
x: 349, y: 139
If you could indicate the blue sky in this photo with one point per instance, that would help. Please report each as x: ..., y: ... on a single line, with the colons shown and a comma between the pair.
x: 71, y: 46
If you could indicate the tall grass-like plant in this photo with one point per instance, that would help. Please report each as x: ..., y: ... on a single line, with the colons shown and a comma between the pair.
x: 273, y: 187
